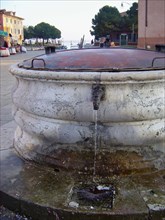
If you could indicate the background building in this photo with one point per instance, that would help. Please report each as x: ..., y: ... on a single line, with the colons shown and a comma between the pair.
x: 151, y: 18
x: 13, y: 25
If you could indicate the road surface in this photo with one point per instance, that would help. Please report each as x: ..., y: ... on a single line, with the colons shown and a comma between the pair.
x: 7, y: 82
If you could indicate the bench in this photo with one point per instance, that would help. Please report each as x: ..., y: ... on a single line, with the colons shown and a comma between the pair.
x: 160, y: 47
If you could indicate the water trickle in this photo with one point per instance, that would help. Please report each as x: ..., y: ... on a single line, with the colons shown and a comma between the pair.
x: 95, y: 143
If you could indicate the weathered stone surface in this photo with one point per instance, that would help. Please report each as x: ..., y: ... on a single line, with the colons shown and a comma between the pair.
x: 43, y: 193
x: 54, y: 113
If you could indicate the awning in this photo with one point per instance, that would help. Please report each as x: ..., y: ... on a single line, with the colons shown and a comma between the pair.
x: 3, y: 33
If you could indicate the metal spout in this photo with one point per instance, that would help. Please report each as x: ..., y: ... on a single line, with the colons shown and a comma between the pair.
x: 98, y: 94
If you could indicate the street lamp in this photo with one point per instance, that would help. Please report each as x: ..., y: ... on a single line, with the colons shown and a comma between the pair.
x: 123, y: 3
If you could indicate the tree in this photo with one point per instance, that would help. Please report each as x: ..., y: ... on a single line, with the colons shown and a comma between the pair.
x: 45, y: 31
x: 29, y: 32
x: 133, y: 17
x: 107, y: 20
x: 55, y: 33
x: 42, y: 30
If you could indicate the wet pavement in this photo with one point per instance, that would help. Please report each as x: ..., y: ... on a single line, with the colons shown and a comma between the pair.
x: 36, y: 192
x: 44, y: 193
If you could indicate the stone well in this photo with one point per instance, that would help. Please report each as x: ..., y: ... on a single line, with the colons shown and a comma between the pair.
x: 99, y: 111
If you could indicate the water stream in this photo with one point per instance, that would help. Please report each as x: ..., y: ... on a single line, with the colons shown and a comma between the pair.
x: 95, y: 143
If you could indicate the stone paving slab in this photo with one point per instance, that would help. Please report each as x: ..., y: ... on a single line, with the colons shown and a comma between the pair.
x: 7, y: 135
x: 152, y: 189
x: 6, y: 114
x: 7, y: 82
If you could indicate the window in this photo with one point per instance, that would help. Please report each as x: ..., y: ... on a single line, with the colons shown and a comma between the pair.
x: 6, y: 20
x: 19, y: 32
x: 14, y: 21
x: 11, y: 21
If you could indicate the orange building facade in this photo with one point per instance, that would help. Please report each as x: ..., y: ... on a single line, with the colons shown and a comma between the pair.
x: 151, y: 27
x: 13, y: 25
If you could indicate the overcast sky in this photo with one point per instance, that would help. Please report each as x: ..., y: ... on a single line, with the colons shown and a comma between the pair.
x: 72, y: 18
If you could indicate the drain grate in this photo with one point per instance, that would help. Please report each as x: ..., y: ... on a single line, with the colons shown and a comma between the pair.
x: 94, y: 195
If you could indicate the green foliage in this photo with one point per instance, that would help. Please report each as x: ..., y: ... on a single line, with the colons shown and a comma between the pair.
x: 29, y: 32
x: 105, y: 21
x: 133, y: 16
x: 42, y: 30
x: 46, y: 31
x: 109, y: 20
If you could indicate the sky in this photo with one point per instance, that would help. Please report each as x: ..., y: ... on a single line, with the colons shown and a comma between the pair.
x: 72, y: 18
